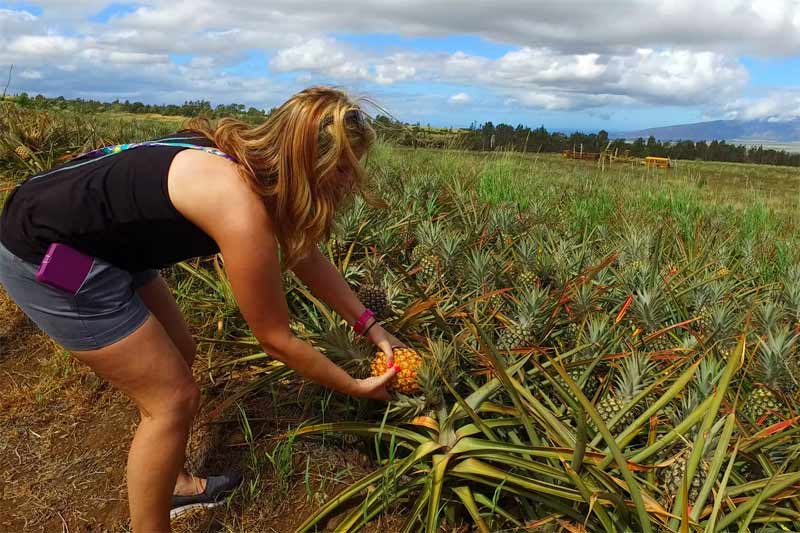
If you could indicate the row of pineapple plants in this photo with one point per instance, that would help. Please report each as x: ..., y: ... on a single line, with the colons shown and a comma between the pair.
x: 558, y: 351
x: 623, y: 377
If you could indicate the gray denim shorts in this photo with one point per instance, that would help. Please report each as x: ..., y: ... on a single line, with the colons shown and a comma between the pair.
x: 104, y: 311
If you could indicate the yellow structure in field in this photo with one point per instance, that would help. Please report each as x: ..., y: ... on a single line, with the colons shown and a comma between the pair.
x: 658, y: 162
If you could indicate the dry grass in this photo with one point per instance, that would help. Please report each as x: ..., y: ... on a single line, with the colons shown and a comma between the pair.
x: 64, y: 436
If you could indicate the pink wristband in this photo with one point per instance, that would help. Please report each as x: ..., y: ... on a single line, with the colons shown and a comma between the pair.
x: 362, y: 321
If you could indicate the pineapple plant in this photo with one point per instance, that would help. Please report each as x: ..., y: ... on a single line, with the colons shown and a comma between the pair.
x: 596, y: 331
x: 637, y: 373
x: 671, y: 478
x: 763, y: 405
x: 429, y: 237
x: 372, y: 292
x: 481, y: 276
x: 649, y: 314
x: 405, y: 381
x: 348, y: 230
x: 583, y: 302
x: 768, y: 315
x: 526, y: 252
x: 531, y: 316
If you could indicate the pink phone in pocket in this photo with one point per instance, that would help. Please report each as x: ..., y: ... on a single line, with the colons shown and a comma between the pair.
x: 64, y: 268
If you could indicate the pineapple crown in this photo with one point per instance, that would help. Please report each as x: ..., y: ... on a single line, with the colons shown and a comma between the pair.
x: 638, y: 372
x: 526, y: 251
x: 597, y: 328
x: 583, y: 301
x: 429, y: 234
x: 480, y: 269
x: 775, y: 355
x: 768, y: 314
x: 708, y: 373
x: 648, y: 308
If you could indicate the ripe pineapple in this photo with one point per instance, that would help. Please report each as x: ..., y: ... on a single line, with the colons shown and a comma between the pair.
x: 405, y: 381
x: 638, y: 372
x: 23, y: 152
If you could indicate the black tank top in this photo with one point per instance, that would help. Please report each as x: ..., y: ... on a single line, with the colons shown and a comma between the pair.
x: 116, y: 209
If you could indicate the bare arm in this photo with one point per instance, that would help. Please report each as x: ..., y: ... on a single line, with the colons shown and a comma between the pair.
x: 209, y: 192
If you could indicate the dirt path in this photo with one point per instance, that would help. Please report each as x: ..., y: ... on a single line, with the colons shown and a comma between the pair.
x: 64, y: 437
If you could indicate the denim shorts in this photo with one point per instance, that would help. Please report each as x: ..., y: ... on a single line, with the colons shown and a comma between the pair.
x: 105, y: 310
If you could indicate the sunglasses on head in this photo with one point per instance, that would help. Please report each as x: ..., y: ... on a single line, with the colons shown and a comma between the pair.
x: 354, y: 116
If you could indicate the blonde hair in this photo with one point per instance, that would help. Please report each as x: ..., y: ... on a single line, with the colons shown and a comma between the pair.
x: 304, y: 161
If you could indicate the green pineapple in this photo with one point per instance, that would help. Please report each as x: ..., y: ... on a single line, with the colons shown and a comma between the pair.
x: 638, y: 372
x: 429, y: 238
x: 672, y: 480
x: 372, y: 292
x: 763, y: 406
x: 526, y: 253
x: 531, y: 316
x: 376, y: 298
x: 519, y: 334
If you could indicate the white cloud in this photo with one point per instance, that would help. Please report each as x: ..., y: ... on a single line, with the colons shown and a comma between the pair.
x: 779, y: 106
x: 30, y: 74
x: 460, y: 98
x: 42, y: 46
x: 563, y: 56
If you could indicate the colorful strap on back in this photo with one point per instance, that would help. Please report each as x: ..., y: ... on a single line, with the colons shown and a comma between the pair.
x: 107, y: 151
x: 117, y: 148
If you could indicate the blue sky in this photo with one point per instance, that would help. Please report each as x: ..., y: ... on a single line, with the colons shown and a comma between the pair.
x: 446, y: 63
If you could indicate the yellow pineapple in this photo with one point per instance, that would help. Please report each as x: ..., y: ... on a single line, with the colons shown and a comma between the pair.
x: 23, y: 152
x: 405, y: 381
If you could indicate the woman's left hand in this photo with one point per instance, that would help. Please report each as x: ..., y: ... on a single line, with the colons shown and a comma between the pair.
x: 385, y: 342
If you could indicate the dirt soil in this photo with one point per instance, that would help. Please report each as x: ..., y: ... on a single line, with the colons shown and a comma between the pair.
x: 64, y: 436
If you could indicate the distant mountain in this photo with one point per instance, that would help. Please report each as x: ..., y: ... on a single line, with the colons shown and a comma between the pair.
x: 740, y: 130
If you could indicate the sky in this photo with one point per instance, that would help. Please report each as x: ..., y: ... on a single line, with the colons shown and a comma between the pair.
x: 568, y: 65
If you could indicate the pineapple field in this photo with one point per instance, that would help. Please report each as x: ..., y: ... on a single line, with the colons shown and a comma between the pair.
x: 593, y: 349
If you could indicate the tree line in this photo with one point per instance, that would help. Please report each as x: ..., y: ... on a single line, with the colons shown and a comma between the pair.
x: 190, y: 108
x: 483, y: 137
x: 491, y: 137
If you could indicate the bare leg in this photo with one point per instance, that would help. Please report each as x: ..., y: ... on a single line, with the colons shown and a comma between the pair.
x: 149, y: 368
x: 158, y: 298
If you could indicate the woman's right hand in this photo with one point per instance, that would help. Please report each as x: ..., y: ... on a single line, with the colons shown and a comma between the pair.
x: 374, y: 387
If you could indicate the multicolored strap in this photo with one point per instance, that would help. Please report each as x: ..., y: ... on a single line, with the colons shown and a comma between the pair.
x: 117, y: 148
x: 108, y: 151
